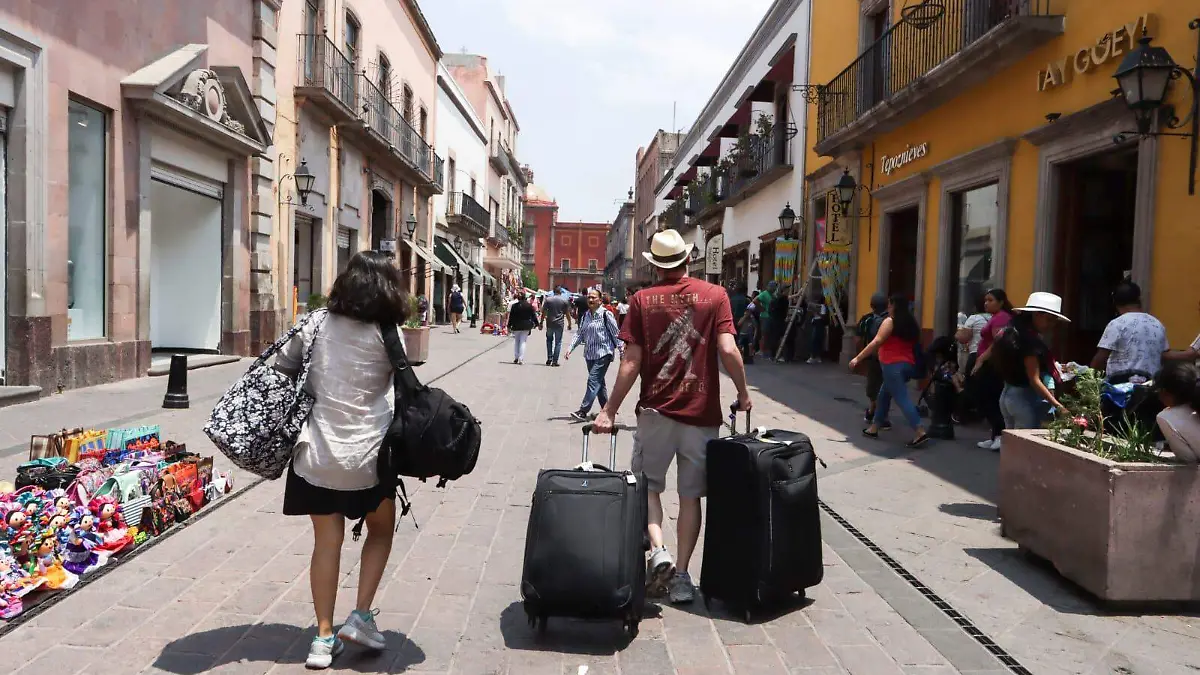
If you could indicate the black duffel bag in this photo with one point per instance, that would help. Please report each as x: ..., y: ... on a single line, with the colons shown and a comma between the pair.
x: 47, y: 475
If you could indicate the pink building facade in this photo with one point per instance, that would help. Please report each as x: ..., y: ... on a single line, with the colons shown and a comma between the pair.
x: 132, y: 132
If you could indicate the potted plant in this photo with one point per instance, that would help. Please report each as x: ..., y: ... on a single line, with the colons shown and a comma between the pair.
x: 743, y: 155
x: 316, y: 301
x: 416, y: 335
x: 1104, y: 508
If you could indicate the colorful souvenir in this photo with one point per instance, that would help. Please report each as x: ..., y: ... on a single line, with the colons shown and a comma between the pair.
x: 47, y: 566
x: 80, y: 556
x: 15, y: 584
x: 110, y: 526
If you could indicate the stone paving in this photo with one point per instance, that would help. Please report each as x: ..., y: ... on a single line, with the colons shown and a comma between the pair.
x: 229, y: 592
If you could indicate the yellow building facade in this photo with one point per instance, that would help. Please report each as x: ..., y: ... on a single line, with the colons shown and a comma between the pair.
x: 993, y: 153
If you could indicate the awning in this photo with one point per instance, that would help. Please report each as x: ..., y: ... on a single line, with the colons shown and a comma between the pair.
x: 434, y: 264
x: 452, y: 259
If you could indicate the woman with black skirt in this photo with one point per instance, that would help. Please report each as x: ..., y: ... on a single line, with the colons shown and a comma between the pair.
x: 988, y: 385
x: 334, y: 473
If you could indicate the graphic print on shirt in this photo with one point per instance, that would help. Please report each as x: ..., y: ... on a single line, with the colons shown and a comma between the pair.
x: 676, y: 343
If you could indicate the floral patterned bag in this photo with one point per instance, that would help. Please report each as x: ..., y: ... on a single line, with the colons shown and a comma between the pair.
x: 255, y: 424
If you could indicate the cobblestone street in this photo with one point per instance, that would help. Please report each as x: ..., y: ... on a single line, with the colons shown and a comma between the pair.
x: 229, y: 592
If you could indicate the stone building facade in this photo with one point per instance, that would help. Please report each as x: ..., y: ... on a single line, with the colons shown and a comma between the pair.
x: 130, y: 132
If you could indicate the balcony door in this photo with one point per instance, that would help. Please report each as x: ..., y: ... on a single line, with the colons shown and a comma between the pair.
x: 312, y: 34
x: 874, y: 68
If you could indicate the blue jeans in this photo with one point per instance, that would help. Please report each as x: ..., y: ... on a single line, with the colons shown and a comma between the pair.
x: 1022, y: 408
x: 597, y: 388
x: 895, y: 386
x: 554, y: 333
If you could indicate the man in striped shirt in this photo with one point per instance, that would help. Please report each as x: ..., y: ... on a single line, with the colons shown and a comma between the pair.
x: 598, y: 333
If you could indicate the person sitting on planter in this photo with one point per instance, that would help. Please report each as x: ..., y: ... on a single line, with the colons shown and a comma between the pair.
x: 1132, y: 346
x: 1179, y: 392
x: 1025, y: 363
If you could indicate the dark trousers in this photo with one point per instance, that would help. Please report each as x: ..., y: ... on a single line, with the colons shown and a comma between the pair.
x: 987, y: 389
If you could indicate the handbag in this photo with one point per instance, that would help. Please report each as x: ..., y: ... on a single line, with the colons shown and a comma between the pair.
x: 255, y: 424
x: 50, y: 473
x: 51, y: 445
x: 133, y: 510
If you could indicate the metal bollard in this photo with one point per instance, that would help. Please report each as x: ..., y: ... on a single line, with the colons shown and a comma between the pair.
x: 177, y: 394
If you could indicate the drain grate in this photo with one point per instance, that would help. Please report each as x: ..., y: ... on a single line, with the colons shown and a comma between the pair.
x: 963, y: 622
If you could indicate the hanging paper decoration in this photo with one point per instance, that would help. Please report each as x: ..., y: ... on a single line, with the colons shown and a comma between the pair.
x: 786, y: 252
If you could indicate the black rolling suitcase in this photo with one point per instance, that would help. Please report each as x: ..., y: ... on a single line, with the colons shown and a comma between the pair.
x: 762, y: 537
x: 585, y: 545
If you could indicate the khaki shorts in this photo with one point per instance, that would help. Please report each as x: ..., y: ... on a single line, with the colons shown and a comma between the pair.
x: 660, y: 439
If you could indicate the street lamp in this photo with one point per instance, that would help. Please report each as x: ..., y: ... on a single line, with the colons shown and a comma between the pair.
x: 458, y: 243
x: 695, y: 253
x: 787, y: 218
x: 304, y: 181
x: 411, y: 224
x: 1144, y: 77
x: 846, y: 188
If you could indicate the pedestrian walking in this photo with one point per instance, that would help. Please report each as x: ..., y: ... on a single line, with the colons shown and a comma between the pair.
x: 988, y: 383
x: 1025, y: 363
x: 868, y: 328
x: 522, y: 319
x: 334, y: 475
x: 896, y: 344
x: 598, y: 333
x: 457, y: 306
x: 766, y: 330
x: 676, y: 332
x: 555, y: 316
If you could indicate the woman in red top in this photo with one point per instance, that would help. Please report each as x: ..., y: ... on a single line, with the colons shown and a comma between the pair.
x: 986, y: 378
x: 896, y: 342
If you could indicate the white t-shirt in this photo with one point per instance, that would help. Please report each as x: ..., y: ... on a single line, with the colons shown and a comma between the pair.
x: 976, y: 322
x: 351, y: 378
x: 1137, y: 341
x: 623, y: 308
x: 1181, y: 427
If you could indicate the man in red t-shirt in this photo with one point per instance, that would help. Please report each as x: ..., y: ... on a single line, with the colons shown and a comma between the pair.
x: 674, y: 333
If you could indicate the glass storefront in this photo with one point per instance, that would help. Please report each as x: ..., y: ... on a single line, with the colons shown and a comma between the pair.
x: 86, y: 222
x: 976, y: 217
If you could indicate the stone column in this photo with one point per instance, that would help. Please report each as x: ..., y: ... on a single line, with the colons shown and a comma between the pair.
x: 266, y: 315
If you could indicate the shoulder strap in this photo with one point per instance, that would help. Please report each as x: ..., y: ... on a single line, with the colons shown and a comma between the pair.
x: 286, y: 337
x: 395, y: 351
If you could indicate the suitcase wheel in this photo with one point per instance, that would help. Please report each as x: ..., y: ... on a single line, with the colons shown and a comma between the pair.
x: 630, y: 626
x: 746, y: 615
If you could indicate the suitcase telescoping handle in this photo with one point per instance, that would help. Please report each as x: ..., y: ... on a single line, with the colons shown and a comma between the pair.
x: 733, y: 410
x: 612, y: 448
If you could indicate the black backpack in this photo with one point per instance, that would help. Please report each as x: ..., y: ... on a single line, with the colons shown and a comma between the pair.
x: 431, y: 433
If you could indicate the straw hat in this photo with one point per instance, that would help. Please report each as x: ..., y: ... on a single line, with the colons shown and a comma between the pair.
x: 667, y: 250
x: 1046, y: 303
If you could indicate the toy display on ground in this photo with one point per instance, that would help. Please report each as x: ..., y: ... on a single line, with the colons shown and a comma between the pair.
x: 87, y: 496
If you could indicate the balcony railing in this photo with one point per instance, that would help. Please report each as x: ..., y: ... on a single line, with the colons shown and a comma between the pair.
x: 499, y: 157
x: 323, y: 66
x: 472, y: 212
x: 500, y: 233
x: 908, y: 51
x: 764, y: 154
x: 386, y: 121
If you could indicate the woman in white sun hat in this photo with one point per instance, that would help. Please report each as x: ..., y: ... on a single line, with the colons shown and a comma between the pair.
x: 1025, y: 363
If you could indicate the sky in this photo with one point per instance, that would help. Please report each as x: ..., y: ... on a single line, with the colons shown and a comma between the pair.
x: 591, y: 81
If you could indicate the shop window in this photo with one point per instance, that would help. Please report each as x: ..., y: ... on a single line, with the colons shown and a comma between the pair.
x: 976, y: 216
x: 87, y: 221
x: 565, y: 265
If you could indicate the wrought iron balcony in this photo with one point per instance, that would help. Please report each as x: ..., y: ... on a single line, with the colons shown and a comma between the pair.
x: 327, y: 77
x: 500, y: 233
x: 499, y: 157
x: 923, y: 61
x: 462, y: 208
x: 390, y: 128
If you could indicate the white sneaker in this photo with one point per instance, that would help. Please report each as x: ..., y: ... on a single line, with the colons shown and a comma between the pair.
x: 659, y: 571
x: 360, y: 629
x: 995, y: 444
x: 323, y: 651
x: 987, y: 445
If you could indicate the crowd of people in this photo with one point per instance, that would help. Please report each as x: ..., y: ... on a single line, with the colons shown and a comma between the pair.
x: 1003, y: 369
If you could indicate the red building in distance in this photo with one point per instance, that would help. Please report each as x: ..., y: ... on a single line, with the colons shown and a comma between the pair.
x: 541, y: 213
x: 577, y: 254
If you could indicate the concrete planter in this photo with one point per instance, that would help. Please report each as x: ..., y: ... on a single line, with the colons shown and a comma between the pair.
x: 416, y: 344
x: 1127, y: 533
